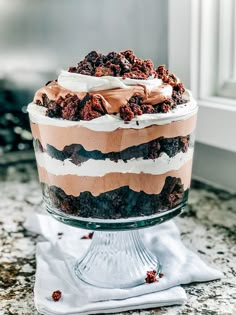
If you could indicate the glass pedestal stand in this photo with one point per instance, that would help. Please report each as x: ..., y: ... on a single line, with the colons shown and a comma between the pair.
x: 117, y: 259
x: 117, y: 256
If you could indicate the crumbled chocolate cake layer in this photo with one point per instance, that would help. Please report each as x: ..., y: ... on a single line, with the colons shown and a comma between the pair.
x: 72, y: 108
x: 151, y: 150
x: 135, y: 107
x: 118, y: 203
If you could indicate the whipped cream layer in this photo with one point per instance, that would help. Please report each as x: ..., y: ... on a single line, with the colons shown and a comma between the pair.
x: 84, y: 83
x: 158, y: 166
x: 113, y: 122
x: 148, y: 183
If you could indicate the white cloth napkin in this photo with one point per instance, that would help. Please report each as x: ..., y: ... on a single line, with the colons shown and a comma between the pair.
x: 179, y: 265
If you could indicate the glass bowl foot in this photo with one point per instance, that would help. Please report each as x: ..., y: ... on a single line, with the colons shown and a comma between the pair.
x: 116, y: 260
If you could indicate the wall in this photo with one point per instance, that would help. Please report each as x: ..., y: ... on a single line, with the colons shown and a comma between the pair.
x: 215, y: 166
x: 39, y: 38
x: 50, y: 34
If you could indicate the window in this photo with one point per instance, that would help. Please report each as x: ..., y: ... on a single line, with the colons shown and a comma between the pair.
x: 202, y: 50
x: 227, y: 48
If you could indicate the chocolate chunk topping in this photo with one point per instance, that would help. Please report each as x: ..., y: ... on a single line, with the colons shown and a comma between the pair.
x: 124, y: 64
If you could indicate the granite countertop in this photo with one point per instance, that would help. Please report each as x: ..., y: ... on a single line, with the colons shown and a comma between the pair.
x: 207, y: 227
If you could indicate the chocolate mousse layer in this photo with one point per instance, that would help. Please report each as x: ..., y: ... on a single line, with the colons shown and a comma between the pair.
x: 110, y: 100
x: 148, y: 183
x: 122, y: 202
x: 109, y: 141
x: 77, y: 154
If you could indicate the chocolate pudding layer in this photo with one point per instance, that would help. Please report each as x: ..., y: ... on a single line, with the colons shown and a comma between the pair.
x: 96, y: 137
x: 149, y: 183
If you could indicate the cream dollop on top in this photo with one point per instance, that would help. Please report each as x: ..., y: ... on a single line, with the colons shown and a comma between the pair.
x: 84, y: 83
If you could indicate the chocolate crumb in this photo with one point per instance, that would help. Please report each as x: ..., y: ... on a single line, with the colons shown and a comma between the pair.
x: 151, y: 276
x: 87, y: 237
x: 56, y: 295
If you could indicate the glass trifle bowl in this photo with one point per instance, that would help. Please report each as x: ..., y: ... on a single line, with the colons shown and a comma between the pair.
x: 114, y: 154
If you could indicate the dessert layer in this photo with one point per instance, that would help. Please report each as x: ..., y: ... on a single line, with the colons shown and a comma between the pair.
x: 76, y: 82
x: 112, y: 122
x: 122, y: 202
x: 157, y: 166
x: 77, y: 154
x: 112, y: 99
x: 148, y: 183
x: 104, y: 141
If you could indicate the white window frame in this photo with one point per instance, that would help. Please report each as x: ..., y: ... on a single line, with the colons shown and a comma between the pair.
x: 192, y: 41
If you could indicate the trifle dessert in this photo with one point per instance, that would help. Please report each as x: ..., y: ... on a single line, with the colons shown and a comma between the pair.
x: 114, y: 138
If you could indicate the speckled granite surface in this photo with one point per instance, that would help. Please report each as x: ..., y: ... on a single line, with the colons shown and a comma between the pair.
x: 208, y: 227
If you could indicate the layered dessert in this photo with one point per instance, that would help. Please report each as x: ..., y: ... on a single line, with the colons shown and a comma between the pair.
x: 114, y: 138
